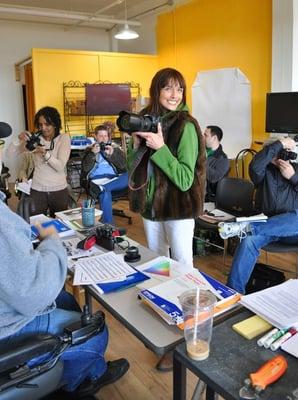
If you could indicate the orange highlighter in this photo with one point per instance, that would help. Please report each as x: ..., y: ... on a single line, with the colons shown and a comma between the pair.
x: 270, y: 372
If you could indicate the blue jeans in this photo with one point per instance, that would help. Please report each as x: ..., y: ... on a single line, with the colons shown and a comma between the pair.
x: 84, y: 361
x: 105, y: 196
x: 282, y: 228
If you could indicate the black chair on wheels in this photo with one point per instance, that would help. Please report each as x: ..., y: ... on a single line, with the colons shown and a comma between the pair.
x: 18, y: 381
x: 233, y: 196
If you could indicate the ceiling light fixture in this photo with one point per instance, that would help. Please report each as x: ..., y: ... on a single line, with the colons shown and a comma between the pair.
x: 126, y: 33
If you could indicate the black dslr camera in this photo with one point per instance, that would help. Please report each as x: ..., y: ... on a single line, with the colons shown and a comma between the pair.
x: 104, y: 236
x: 287, y: 155
x: 33, y: 141
x: 129, y: 122
x: 103, y: 145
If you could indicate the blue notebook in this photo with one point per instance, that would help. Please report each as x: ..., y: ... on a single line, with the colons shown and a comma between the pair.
x: 131, y: 280
x: 62, y: 229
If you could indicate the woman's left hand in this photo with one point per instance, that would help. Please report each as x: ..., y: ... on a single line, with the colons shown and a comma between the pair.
x: 40, y: 150
x: 153, y: 140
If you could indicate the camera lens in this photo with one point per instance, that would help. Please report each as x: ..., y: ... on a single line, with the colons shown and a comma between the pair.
x: 129, y: 122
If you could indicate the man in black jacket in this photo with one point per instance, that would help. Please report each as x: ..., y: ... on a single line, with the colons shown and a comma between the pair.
x: 217, y: 161
x: 104, y: 161
x: 276, y: 181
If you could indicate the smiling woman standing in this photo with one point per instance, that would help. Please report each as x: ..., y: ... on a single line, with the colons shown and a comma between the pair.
x: 49, y: 187
x: 167, y: 170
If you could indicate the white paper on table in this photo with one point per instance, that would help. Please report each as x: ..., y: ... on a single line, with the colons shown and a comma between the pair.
x: 39, y: 219
x: 278, y: 304
x: 105, y: 268
x: 223, y: 97
x: 81, y: 278
x: 72, y: 251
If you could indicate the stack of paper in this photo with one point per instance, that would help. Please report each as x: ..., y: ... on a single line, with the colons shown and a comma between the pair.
x: 164, y: 298
x: 106, y: 272
x: 278, y: 304
x: 253, y: 218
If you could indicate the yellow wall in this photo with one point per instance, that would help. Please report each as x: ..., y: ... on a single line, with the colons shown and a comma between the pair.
x: 53, y: 67
x: 210, y: 34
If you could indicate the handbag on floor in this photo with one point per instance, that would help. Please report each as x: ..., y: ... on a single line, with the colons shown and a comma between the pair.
x: 263, y: 276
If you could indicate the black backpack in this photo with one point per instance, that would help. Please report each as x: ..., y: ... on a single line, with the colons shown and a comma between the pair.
x: 263, y: 276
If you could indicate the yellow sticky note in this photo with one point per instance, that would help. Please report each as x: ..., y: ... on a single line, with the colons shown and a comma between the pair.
x: 252, y: 327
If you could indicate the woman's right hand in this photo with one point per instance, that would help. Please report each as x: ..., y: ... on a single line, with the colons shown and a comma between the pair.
x: 24, y: 136
x: 46, y: 232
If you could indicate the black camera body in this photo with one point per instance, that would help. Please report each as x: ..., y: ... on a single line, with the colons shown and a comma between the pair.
x: 104, y: 236
x: 287, y: 155
x: 103, y: 145
x: 129, y: 122
x: 33, y: 141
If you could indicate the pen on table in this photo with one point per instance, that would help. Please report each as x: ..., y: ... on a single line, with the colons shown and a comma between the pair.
x: 277, y: 343
x: 263, y: 339
x: 272, y: 338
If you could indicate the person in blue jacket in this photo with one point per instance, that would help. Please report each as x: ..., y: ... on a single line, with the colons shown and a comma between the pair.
x: 30, y: 281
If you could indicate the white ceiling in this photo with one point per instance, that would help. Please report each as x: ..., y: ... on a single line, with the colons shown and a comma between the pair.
x: 105, y: 14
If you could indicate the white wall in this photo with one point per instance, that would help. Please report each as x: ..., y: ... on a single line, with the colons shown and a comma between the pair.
x: 295, y: 47
x: 146, y: 42
x: 17, y: 40
x: 282, y: 45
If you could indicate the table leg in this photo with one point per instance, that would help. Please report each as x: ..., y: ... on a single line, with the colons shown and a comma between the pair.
x: 210, y: 394
x: 88, y: 300
x: 179, y: 379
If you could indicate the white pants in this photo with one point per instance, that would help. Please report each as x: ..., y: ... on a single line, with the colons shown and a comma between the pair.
x: 176, y: 235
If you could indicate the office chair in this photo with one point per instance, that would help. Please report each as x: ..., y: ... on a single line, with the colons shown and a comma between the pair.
x: 4, y: 182
x: 18, y: 381
x: 279, y: 247
x: 234, y: 196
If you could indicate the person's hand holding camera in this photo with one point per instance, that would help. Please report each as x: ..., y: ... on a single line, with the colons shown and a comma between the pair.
x: 285, y: 168
x: 95, y: 148
x: 109, y: 150
x: 288, y: 144
x: 153, y: 140
x: 24, y: 136
x: 40, y: 150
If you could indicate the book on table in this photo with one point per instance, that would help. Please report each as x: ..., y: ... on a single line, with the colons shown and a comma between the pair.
x: 164, y: 297
x: 46, y: 222
x: 73, y: 217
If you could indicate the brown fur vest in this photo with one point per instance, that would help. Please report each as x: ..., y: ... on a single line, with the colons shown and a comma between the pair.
x: 169, y: 202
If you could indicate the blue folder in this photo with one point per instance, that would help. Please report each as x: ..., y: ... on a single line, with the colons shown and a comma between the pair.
x: 131, y: 280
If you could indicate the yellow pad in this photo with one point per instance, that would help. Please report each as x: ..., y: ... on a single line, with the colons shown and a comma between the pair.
x: 252, y: 327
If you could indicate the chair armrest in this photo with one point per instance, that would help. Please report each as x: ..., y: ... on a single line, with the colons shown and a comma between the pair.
x: 12, y: 355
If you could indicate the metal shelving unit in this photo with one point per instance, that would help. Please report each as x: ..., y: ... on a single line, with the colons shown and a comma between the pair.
x: 76, y: 120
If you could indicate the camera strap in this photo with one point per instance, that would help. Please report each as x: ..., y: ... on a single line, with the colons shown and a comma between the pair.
x: 139, y: 171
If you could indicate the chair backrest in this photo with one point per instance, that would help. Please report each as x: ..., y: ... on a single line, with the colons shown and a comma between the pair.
x: 240, y: 160
x: 235, y: 196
